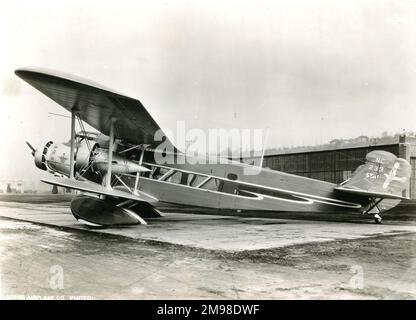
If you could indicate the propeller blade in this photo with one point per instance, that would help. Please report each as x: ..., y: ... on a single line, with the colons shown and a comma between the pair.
x: 31, y: 147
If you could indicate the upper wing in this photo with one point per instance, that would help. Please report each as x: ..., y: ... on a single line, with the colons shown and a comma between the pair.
x: 96, y: 105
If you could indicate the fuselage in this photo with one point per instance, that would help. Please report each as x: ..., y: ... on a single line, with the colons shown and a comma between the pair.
x: 237, y: 186
x: 211, y: 183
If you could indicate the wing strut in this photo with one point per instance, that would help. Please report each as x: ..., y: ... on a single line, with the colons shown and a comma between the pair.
x: 375, y: 202
x: 72, y: 153
x: 374, y: 205
x: 136, y: 183
x: 110, y: 154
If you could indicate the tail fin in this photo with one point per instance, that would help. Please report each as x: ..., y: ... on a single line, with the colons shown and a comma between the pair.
x: 382, y: 176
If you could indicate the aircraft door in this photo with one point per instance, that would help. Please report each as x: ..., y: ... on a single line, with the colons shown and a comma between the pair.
x: 229, y: 190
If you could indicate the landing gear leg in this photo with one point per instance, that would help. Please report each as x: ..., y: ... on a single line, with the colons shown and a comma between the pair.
x: 377, y: 217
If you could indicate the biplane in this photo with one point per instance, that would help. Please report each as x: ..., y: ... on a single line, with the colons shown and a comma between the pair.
x: 120, y: 181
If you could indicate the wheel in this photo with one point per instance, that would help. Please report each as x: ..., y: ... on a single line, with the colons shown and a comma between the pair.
x: 377, y: 219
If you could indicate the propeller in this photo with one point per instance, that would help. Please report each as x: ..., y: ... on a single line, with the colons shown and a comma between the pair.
x: 31, y: 147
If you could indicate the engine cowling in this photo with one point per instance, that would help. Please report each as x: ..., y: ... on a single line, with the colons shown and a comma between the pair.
x: 55, y: 158
x: 85, y: 155
x: 40, y: 155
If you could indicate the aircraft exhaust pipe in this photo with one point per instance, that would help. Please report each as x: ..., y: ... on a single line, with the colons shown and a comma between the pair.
x: 98, y: 158
x: 119, y: 165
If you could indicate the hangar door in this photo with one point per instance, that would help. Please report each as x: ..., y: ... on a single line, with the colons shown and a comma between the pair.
x: 413, y: 178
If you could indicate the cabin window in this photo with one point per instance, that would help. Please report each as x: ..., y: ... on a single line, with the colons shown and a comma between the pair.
x: 184, y: 178
x: 232, y: 176
x: 175, y: 177
x: 229, y: 187
x: 212, y: 184
x: 158, y: 172
x: 195, y: 179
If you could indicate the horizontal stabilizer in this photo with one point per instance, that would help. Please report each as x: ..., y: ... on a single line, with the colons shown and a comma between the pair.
x: 371, y: 194
x: 98, y: 189
x: 382, y: 176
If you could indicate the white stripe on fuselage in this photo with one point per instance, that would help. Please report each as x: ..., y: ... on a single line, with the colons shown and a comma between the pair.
x: 292, y: 193
x: 310, y: 199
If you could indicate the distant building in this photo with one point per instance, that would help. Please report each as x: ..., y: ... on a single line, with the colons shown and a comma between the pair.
x: 12, y: 186
x: 336, y: 161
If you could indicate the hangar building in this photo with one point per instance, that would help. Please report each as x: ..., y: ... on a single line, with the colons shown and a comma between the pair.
x: 335, y: 162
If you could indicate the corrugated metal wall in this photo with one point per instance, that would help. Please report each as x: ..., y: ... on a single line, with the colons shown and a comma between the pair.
x: 332, y: 165
x: 413, y: 178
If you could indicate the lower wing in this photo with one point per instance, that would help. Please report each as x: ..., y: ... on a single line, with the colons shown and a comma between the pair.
x: 99, y: 189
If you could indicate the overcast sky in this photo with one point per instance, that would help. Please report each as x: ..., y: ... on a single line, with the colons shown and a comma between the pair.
x: 310, y: 70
